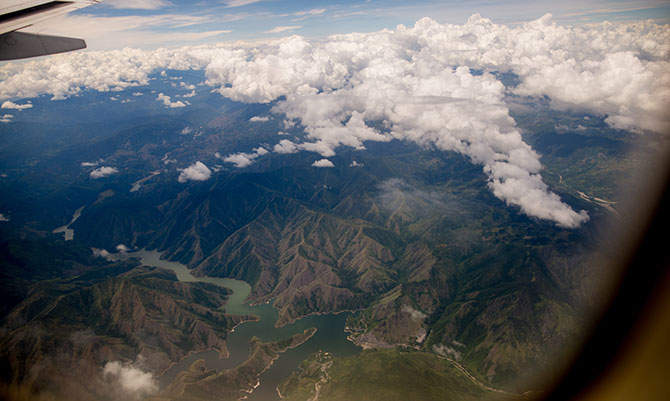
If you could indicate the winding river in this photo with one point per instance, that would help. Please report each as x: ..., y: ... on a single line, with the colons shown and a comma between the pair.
x: 330, y: 335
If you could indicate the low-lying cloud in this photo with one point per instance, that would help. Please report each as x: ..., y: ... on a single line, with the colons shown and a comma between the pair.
x: 169, y: 103
x: 285, y: 146
x: 243, y: 159
x: 197, y: 171
x: 130, y: 379
x: 414, y: 84
x: 11, y: 105
x: 323, y: 163
x: 104, y: 171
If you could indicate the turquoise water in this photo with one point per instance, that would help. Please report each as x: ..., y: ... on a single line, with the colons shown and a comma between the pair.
x: 330, y: 335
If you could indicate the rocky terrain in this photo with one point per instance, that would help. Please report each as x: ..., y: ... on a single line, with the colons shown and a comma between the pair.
x: 56, y: 341
x: 199, y: 383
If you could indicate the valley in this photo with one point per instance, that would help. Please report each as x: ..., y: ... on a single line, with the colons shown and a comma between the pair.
x: 399, y: 255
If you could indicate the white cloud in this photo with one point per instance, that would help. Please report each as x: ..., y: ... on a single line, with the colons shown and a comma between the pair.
x: 132, y: 380
x: 617, y: 70
x: 12, y: 105
x: 186, y: 131
x: 101, y: 172
x: 242, y: 159
x: 323, y: 163
x: 356, y: 164
x: 6, y: 118
x: 415, y: 82
x: 168, y: 103
x: 3, y: 217
x: 285, y: 146
x: 122, y: 248
x: 138, y: 93
x: 138, y: 4
x: 118, y: 32
x: 259, y: 119
x: 195, y: 172
x: 283, y: 28
x: 315, y: 11
x: 260, y: 151
x: 89, y: 164
x: 239, y: 3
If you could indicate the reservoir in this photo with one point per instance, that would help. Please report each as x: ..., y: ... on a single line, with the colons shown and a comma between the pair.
x: 68, y: 233
x: 330, y: 335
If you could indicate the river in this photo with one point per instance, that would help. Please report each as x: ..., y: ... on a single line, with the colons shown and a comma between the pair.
x: 330, y: 335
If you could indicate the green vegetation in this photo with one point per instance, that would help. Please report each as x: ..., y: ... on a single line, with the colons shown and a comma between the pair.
x: 95, y: 313
x: 382, y: 375
x: 413, y: 238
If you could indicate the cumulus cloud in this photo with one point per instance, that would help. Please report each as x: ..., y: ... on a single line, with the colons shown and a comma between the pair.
x: 130, y: 379
x: 412, y: 84
x: 186, y: 131
x: 168, y: 103
x: 5, y: 118
x: 197, y: 171
x: 260, y: 151
x: 242, y: 159
x: 259, y: 119
x: 354, y: 163
x: 3, y: 217
x: 323, y: 163
x: 285, y: 146
x: 11, y: 105
x: 104, y: 171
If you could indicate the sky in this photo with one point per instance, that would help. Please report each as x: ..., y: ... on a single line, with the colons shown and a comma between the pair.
x: 147, y: 24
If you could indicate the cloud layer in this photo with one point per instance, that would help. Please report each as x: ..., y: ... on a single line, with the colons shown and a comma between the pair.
x: 415, y: 84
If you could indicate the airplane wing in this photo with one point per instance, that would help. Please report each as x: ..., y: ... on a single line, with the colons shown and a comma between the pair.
x: 19, y: 14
